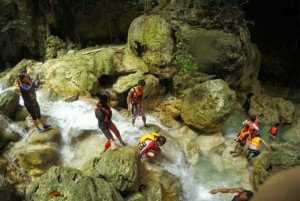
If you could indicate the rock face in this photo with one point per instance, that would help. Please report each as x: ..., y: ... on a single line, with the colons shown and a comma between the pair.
x: 7, y: 132
x: 273, y: 108
x: 9, y: 101
x: 207, y: 105
x: 70, y: 184
x: 283, y: 156
x: 119, y: 168
x: 7, y: 191
x: 53, y: 46
x: 149, y: 37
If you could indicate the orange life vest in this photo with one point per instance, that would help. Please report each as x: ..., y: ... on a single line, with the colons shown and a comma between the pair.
x: 244, y: 134
x: 256, y: 141
x: 137, y: 95
x: 273, y: 130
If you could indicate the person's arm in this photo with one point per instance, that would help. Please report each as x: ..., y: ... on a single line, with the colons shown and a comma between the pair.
x: 26, y: 88
x: 148, y: 147
x: 130, y: 93
x: 227, y: 190
x: 264, y: 143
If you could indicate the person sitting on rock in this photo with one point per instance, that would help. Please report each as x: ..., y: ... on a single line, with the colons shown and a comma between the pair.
x: 241, y: 140
x: 104, y: 114
x: 134, y: 101
x: 149, y: 144
x: 242, y: 194
x: 254, y: 146
x: 27, y: 90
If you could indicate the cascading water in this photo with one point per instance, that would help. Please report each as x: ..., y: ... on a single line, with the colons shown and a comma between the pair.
x: 196, y: 180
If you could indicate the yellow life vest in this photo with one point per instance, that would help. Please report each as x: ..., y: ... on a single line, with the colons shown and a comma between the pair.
x: 256, y: 141
x: 150, y: 136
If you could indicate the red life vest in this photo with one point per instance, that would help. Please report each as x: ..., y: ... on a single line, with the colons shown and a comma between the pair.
x: 137, y: 95
x: 273, y: 130
x: 106, y: 110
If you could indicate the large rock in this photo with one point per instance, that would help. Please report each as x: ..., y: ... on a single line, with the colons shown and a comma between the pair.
x: 160, y: 184
x: 8, y: 131
x: 207, y: 105
x: 293, y: 132
x: 7, y: 191
x: 280, y: 157
x: 228, y: 55
x: 150, y: 38
x: 9, y: 101
x: 119, y: 167
x: 274, y: 109
x: 52, y: 135
x: 36, y: 157
x: 168, y: 111
x: 208, y: 142
x: 53, y: 46
x: 70, y: 184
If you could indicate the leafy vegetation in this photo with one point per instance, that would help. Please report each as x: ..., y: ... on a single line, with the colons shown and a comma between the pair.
x: 183, y: 60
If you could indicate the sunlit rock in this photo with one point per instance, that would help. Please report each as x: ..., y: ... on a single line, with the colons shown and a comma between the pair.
x: 208, y: 105
x: 70, y: 184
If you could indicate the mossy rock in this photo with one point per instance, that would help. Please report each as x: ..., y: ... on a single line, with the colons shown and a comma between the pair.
x: 119, y: 167
x: 52, y: 135
x: 7, y: 191
x: 64, y: 183
x: 7, y: 133
x: 9, y: 102
x: 208, y: 105
x: 150, y: 38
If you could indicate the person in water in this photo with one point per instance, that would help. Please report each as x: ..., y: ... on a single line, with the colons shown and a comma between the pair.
x: 27, y: 91
x: 242, y: 194
x: 149, y: 144
x: 134, y: 102
x: 104, y: 114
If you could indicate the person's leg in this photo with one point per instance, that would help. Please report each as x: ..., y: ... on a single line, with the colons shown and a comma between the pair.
x: 109, y: 137
x: 33, y: 114
x: 116, y: 131
x: 134, y: 113
x: 39, y: 116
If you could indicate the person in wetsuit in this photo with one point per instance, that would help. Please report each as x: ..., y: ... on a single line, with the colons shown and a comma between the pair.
x: 242, y: 194
x: 27, y: 90
x: 104, y: 114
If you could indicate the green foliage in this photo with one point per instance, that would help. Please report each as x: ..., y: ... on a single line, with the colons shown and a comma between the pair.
x: 183, y: 60
x: 13, y: 24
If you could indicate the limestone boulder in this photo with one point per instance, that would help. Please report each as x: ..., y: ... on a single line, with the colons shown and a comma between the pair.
x: 293, y: 132
x: 8, y: 131
x: 9, y: 102
x: 168, y: 111
x: 274, y: 109
x: 159, y: 184
x: 70, y: 184
x: 76, y: 135
x: 150, y: 38
x: 54, y: 45
x: 208, y: 105
x: 281, y: 156
x: 37, y: 156
x: 119, y: 167
x: 222, y: 53
x: 52, y: 136
x: 207, y: 143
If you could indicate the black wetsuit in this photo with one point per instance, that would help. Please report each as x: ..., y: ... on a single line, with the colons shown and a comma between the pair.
x: 30, y: 102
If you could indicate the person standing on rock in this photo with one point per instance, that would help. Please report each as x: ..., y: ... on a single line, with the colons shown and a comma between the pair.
x: 241, y: 141
x: 242, y: 194
x: 134, y: 101
x: 27, y: 90
x: 104, y: 114
x: 253, y: 128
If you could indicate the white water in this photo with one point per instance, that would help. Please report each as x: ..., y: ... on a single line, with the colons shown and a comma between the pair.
x: 196, y: 181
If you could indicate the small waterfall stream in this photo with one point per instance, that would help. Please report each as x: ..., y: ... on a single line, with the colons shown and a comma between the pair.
x: 196, y: 180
